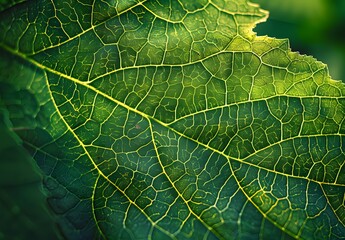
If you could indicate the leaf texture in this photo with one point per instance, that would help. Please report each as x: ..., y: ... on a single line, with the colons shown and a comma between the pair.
x: 173, y: 120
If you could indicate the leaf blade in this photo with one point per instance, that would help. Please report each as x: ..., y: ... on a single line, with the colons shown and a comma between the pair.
x: 146, y: 109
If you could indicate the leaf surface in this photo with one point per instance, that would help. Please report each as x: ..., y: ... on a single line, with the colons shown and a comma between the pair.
x: 173, y: 120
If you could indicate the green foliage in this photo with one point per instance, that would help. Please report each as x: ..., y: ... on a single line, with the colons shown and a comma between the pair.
x: 313, y: 27
x: 5, y: 4
x: 173, y: 120
x: 22, y: 204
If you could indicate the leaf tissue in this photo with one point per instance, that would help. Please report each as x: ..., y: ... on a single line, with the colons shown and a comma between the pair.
x: 171, y: 119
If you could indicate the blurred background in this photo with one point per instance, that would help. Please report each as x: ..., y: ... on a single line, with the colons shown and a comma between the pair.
x: 314, y: 27
x: 24, y: 212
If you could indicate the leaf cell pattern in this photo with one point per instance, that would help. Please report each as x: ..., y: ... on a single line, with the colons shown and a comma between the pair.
x: 173, y: 120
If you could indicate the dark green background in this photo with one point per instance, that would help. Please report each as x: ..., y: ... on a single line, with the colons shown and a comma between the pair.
x: 23, y: 210
x: 314, y: 27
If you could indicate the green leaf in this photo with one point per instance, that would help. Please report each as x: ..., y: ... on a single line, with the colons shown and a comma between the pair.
x: 21, y: 200
x: 5, y: 4
x: 173, y: 120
